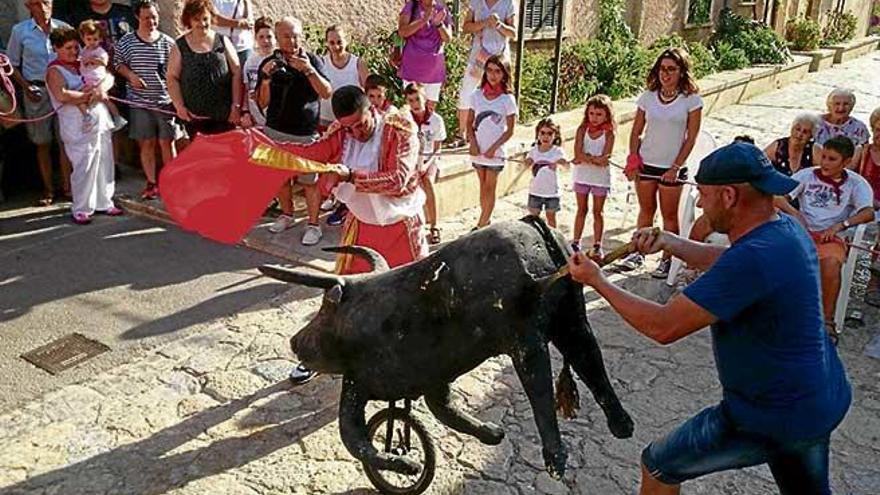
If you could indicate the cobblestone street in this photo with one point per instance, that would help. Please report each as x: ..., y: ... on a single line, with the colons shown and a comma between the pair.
x: 213, y: 413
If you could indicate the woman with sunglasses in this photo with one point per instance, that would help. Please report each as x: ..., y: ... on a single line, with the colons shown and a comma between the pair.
x: 663, y: 134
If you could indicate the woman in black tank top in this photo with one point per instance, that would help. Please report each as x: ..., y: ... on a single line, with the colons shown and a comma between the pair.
x: 204, y: 78
x: 795, y: 152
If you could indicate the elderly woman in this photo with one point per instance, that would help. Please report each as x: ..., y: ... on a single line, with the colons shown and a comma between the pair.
x: 204, y: 76
x: 839, y: 121
x: 792, y: 153
x: 90, y: 150
x: 663, y: 135
x: 426, y: 26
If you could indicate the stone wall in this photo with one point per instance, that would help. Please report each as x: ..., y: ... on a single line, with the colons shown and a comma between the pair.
x: 649, y: 19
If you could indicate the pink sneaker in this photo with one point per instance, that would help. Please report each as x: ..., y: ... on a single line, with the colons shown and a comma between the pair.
x: 81, y: 218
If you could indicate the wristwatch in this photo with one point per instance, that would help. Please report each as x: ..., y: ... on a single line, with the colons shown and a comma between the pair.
x: 846, y: 224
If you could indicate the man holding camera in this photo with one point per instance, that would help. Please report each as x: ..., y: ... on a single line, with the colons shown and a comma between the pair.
x: 290, y: 86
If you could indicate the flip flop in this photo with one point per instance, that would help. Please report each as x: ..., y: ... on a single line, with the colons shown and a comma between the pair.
x: 46, y: 200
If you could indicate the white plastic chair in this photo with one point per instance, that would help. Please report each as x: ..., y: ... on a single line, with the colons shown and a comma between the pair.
x: 846, y: 276
x: 687, y: 205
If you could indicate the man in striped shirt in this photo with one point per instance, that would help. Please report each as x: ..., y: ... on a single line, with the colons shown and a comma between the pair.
x: 141, y: 57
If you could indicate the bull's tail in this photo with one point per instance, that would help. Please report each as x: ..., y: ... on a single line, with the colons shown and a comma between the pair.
x: 567, y: 396
x: 568, y: 400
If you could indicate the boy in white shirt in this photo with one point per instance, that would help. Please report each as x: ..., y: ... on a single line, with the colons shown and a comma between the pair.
x: 432, y: 133
x: 832, y: 199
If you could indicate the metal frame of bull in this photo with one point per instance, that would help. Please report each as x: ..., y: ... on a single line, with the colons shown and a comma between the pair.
x: 410, y: 332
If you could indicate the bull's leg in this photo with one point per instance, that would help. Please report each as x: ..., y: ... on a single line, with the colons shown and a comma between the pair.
x: 532, y: 362
x: 439, y: 401
x: 355, y: 437
x: 578, y: 344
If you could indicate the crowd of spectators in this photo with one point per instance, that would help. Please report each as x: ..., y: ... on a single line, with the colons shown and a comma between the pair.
x: 232, y: 68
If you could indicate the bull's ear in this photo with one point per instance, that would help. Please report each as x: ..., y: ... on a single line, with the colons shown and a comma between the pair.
x: 309, y: 279
x: 334, y: 294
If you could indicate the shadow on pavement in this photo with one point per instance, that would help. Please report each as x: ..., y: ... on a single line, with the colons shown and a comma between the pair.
x: 148, y: 466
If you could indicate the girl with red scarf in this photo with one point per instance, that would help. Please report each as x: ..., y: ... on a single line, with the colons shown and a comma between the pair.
x: 491, y: 119
x: 432, y: 133
x: 591, y: 175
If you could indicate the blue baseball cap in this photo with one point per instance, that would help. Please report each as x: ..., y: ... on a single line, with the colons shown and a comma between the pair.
x: 740, y: 163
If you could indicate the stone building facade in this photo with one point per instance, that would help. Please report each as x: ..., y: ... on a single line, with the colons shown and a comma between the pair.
x: 649, y: 19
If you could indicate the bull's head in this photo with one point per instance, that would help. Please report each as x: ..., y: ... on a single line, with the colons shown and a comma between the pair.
x: 320, y: 345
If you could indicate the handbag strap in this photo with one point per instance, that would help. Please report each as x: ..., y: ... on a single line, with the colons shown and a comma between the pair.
x: 234, y: 11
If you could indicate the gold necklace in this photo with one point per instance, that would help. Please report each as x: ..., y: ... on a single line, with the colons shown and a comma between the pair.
x: 666, y: 98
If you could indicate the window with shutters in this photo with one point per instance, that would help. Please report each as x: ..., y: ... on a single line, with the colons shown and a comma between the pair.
x: 541, y: 14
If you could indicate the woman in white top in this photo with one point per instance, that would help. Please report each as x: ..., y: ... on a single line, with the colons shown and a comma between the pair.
x: 342, y: 68
x: 669, y: 113
x: 235, y: 20
x: 90, y: 150
x: 492, y: 24
x: 252, y: 114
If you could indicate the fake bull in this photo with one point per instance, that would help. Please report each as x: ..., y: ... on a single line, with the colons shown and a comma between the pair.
x: 409, y: 332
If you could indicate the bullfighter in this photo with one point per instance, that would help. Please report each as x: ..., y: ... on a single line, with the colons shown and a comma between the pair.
x: 378, y: 157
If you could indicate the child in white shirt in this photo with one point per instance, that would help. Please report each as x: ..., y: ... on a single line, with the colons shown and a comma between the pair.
x: 832, y: 199
x: 590, y: 174
x: 544, y: 158
x: 432, y: 133
x: 491, y: 118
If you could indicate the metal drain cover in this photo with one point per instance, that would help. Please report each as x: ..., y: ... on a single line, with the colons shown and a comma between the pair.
x: 64, y: 353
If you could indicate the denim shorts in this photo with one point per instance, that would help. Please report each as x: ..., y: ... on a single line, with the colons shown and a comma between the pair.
x: 541, y: 203
x: 710, y: 442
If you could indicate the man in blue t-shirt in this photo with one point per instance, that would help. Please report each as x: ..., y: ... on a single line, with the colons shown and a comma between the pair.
x: 784, y: 387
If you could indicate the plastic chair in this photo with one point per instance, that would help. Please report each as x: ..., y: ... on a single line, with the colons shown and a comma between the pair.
x: 846, y: 276
x: 687, y: 205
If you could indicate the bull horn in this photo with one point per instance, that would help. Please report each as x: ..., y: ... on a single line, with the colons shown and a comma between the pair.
x: 376, y: 261
x: 309, y: 279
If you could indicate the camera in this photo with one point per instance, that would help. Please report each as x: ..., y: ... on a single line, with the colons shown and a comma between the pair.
x: 281, y: 65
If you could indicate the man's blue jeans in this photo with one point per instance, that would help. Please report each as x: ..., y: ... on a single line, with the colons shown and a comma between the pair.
x: 710, y: 442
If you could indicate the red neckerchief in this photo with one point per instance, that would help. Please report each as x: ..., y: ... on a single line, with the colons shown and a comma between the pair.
x: 835, y: 185
x: 491, y: 92
x: 73, y: 66
x: 604, y: 127
x: 426, y: 116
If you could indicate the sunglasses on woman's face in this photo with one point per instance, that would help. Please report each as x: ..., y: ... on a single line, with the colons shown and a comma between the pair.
x: 546, y: 133
x: 669, y: 69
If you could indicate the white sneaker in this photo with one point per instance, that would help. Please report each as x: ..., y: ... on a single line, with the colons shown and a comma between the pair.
x: 328, y: 204
x: 631, y: 262
x: 283, y: 223
x: 312, y: 235
x: 119, y: 122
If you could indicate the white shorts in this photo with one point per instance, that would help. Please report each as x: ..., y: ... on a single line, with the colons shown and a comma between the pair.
x: 468, y: 84
x: 432, y: 90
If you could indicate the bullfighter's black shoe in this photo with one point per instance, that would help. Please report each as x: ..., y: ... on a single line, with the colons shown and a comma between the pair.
x: 300, y: 374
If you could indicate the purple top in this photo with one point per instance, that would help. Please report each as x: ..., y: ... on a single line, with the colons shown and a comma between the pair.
x: 423, y: 57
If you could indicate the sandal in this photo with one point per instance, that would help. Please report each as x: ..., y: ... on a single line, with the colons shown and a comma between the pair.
x: 434, y: 235
x: 81, y: 218
x: 113, y: 211
x: 46, y: 200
